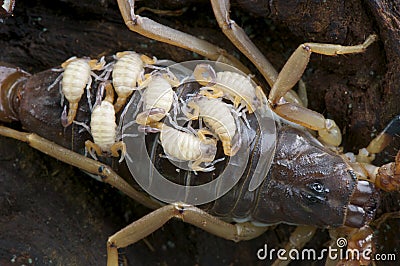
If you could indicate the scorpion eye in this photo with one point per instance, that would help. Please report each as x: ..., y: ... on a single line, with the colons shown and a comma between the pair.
x: 317, y: 187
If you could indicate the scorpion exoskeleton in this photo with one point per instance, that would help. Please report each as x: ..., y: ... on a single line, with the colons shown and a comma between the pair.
x: 103, y: 127
x: 76, y: 76
x: 310, y: 182
x: 126, y: 73
x: 218, y: 116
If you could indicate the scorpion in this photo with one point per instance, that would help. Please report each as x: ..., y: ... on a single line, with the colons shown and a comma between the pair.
x: 126, y: 73
x: 349, y: 182
x: 103, y: 126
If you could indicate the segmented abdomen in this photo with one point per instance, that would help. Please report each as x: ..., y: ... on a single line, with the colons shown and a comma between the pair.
x: 180, y: 145
x: 103, y: 125
x: 126, y: 72
x: 158, y: 94
x: 240, y: 85
x: 75, y: 78
x: 217, y: 115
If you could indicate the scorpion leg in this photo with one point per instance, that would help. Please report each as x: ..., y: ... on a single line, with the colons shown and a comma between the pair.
x: 298, y: 238
x: 291, y: 74
x: 386, y: 177
x: 240, y: 39
x: 153, y: 30
x: 380, y: 142
x: 187, y: 213
x: 67, y: 156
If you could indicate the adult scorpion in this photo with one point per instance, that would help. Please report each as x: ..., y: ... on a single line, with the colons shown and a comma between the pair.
x: 357, y: 193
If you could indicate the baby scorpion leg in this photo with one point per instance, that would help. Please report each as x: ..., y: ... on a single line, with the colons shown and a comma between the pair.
x: 187, y: 213
x: 290, y: 75
x: 67, y: 156
x: 93, y: 148
x: 153, y: 30
x: 116, y: 147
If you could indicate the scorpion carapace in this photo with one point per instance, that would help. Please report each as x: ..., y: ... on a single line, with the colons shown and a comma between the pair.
x: 307, y: 184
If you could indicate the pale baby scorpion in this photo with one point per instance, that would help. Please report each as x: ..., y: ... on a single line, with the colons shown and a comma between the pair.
x: 127, y: 73
x: 183, y: 146
x: 231, y: 85
x: 76, y: 76
x: 157, y: 97
x: 217, y: 115
x: 103, y: 126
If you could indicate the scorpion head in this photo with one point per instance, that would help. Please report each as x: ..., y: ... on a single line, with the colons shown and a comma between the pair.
x: 309, y: 184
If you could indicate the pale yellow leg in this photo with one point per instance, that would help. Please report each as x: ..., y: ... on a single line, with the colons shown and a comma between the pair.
x: 116, y: 147
x: 159, y: 32
x: 240, y: 39
x: 296, y: 64
x: 187, y: 213
x: 102, y: 170
x: 328, y: 131
x: 93, y: 148
x: 291, y: 74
